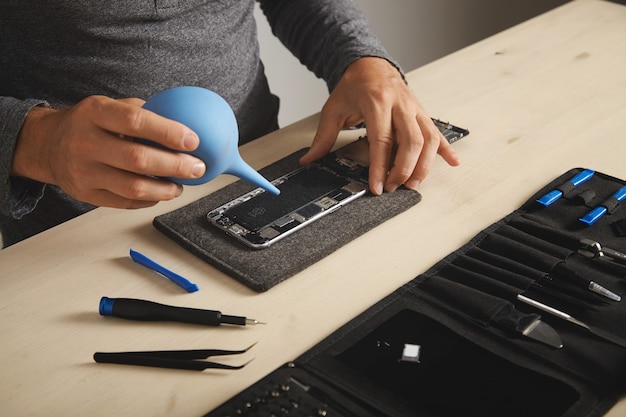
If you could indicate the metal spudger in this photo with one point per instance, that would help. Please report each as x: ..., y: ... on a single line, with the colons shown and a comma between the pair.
x: 481, y: 307
x: 142, y: 310
x: 610, y: 337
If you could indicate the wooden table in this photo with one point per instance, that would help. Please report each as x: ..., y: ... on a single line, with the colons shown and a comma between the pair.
x: 539, y: 99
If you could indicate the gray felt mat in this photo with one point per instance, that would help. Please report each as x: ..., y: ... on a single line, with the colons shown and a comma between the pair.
x: 261, y: 269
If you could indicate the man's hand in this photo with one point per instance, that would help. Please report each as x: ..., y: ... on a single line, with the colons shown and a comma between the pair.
x: 373, y: 91
x: 88, y: 152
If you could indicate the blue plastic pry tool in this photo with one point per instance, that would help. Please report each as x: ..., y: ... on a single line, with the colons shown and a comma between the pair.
x: 595, y: 214
x: 182, y: 282
x: 554, y: 195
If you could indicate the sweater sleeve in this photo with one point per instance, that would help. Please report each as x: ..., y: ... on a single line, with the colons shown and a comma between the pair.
x: 325, y: 35
x: 18, y: 196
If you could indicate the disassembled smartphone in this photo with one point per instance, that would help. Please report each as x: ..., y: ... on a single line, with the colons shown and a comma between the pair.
x: 451, y: 132
x: 259, y: 219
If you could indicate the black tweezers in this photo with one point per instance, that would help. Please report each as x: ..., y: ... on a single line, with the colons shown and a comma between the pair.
x: 174, y: 359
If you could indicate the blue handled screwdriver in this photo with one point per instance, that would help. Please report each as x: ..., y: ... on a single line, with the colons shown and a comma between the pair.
x: 134, y: 309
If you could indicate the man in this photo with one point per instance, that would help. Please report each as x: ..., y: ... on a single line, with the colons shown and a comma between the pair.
x: 73, y: 77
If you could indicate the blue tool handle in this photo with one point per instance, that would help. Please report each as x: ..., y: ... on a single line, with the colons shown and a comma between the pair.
x: 595, y: 214
x: 181, y: 281
x: 582, y: 177
x: 620, y: 194
x: 552, y: 196
x: 142, y: 310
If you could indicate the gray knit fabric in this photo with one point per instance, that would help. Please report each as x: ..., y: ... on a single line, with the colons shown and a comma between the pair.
x: 262, y: 269
x: 58, y: 52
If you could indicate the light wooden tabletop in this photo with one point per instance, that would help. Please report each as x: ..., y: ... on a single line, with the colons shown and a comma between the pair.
x: 540, y: 98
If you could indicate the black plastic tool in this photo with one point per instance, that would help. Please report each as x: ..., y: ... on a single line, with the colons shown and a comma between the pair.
x: 142, y: 310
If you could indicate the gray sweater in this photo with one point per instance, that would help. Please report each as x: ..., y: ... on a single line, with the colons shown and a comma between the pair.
x: 57, y: 52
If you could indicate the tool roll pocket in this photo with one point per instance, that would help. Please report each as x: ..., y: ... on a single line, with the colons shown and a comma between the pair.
x: 466, y: 294
x: 470, y: 360
x: 451, y: 342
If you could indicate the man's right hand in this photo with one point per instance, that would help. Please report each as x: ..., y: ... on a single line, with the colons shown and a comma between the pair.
x: 87, y: 150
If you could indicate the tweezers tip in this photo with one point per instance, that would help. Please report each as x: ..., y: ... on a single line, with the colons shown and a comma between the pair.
x: 250, y: 347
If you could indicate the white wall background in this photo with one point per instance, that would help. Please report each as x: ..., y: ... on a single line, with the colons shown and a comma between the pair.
x: 415, y: 32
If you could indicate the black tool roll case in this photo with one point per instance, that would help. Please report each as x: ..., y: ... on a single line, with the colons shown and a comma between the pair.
x: 463, y: 340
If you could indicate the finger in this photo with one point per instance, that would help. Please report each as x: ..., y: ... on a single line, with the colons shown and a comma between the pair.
x: 448, y: 153
x: 116, y: 188
x: 139, y: 158
x: 325, y: 137
x: 140, y: 188
x: 133, y: 101
x: 380, y: 138
x: 127, y: 118
x: 410, y: 142
x: 105, y: 198
x: 434, y: 142
x: 425, y: 162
